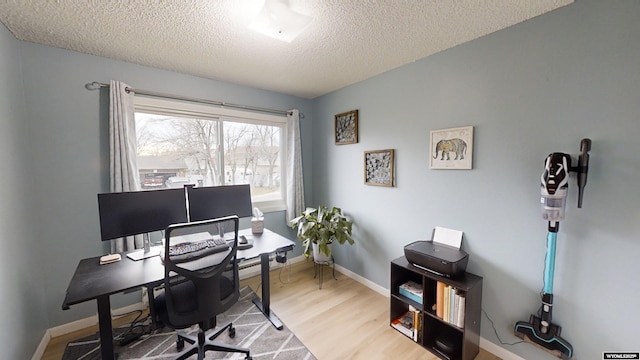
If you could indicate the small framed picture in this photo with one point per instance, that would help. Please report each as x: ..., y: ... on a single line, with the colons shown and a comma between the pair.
x: 451, y: 148
x: 346, y: 127
x: 378, y: 167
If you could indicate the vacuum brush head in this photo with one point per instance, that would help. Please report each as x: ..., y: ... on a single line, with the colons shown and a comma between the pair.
x: 531, y: 331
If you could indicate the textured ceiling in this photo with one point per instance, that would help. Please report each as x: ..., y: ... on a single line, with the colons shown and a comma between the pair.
x: 348, y: 40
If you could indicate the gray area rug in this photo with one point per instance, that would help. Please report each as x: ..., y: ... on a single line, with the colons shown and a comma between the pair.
x: 253, y: 331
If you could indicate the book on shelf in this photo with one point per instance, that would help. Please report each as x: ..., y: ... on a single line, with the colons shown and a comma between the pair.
x: 450, y: 304
x: 417, y: 323
x: 460, y: 311
x: 412, y: 290
x: 452, y: 299
x: 440, y: 299
x: 455, y: 306
x: 404, y: 324
x: 446, y: 303
x: 410, y: 324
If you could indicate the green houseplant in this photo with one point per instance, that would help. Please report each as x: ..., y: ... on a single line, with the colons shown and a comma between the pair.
x: 322, y: 226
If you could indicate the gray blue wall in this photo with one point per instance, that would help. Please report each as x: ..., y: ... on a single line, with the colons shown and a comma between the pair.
x: 22, y: 300
x: 529, y: 90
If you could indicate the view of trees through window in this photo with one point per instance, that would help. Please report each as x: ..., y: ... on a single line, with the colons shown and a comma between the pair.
x: 174, y: 151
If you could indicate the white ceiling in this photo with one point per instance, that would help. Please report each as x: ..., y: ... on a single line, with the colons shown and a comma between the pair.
x: 348, y: 40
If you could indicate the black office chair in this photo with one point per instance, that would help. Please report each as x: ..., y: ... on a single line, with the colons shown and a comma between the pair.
x: 197, y: 290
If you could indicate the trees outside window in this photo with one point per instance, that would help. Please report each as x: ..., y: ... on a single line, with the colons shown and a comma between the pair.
x: 179, y: 144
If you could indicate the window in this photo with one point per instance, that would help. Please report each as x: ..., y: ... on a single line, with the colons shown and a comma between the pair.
x: 180, y: 143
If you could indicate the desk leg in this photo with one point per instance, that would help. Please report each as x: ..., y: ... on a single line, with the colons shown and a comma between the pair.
x: 152, y: 308
x: 106, y: 331
x: 264, y: 304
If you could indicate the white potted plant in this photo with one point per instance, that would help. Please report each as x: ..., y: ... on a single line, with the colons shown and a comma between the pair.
x: 319, y: 228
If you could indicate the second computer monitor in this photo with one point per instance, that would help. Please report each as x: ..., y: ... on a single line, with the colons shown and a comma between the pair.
x: 217, y: 201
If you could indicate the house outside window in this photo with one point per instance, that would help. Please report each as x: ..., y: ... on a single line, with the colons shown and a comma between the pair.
x: 180, y: 143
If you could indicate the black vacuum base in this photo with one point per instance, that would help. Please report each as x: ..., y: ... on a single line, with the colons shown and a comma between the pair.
x: 531, y: 331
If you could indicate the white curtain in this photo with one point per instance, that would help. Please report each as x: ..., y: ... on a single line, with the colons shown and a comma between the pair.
x: 123, y: 169
x: 295, y: 184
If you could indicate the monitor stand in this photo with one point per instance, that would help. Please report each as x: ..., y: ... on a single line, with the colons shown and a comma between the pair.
x: 146, y: 252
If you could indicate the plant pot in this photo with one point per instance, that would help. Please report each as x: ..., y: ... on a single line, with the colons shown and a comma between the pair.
x: 319, y: 257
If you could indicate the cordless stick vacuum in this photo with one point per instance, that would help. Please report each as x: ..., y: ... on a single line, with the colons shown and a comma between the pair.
x: 539, y: 330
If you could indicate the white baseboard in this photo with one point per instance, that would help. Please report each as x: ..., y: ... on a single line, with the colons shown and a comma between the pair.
x: 254, y: 270
x: 364, y: 281
x: 39, y: 353
x: 90, y: 321
x: 498, y: 351
x: 73, y: 326
x: 296, y: 259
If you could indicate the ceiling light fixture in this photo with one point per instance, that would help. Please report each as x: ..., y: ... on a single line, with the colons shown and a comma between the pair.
x: 278, y: 21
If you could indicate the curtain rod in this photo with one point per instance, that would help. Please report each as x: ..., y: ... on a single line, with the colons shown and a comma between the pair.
x: 97, y: 85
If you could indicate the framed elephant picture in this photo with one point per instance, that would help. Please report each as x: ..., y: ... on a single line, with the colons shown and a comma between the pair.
x: 451, y: 148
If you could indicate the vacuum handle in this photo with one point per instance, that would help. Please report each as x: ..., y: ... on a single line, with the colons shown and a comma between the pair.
x: 583, y: 168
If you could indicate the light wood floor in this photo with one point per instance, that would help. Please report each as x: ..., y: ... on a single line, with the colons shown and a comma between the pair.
x: 343, y: 320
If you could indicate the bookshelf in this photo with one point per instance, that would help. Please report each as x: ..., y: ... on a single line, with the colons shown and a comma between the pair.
x: 441, y: 336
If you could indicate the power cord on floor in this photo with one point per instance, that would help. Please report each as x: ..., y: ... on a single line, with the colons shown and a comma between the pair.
x: 496, y: 331
x: 286, y: 265
x: 136, y: 329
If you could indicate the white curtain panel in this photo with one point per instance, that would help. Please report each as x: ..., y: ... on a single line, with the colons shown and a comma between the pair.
x: 295, y: 183
x: 123, y: 169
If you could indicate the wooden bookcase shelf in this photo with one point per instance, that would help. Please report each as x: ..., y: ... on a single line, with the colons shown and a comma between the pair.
x: 463, y: 340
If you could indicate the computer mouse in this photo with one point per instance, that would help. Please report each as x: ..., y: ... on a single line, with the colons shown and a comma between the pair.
x: 243, y: 239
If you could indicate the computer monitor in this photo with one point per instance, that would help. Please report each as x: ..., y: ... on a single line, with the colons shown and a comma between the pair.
x: 140, y: 212
x: 217, y: 201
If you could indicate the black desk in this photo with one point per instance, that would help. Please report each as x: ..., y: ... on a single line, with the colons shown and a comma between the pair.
x: 94, y: 281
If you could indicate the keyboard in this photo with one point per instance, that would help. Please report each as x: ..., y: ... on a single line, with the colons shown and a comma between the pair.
x: 188, y: 251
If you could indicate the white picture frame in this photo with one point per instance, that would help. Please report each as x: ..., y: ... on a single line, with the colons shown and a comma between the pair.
x: 451, y: 149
